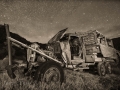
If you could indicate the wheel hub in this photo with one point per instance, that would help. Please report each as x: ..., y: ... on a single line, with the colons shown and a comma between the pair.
x: 51, y: 75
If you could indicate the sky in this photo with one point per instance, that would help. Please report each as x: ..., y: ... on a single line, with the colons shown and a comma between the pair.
x: 39, y: 20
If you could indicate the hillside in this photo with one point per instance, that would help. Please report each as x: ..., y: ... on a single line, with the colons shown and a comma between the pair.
x: 116, y: 43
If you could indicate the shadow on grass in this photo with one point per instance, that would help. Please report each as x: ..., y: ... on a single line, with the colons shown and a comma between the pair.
x: 93, y: 72
x: 115, y: 69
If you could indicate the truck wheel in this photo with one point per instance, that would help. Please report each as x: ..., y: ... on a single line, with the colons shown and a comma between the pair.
x: 101, y: 69
x: 50, y: 72
x: 108, y: 68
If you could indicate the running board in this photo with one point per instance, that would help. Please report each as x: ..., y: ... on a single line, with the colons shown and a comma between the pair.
x: 80, y: 68
x: 73, y: 67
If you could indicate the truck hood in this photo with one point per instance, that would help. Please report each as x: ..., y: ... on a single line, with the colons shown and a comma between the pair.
x: 58, y: 36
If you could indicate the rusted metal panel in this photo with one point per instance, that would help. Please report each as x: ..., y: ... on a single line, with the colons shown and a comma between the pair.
x: 108, y: 52
x: 58, y: 36
x: 89, y: 39
x: 90, y: 58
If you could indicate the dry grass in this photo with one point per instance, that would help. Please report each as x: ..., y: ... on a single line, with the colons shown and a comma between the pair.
x: 74, y: 81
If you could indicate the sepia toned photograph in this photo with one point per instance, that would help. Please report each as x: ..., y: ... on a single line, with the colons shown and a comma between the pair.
x: 59, y: 45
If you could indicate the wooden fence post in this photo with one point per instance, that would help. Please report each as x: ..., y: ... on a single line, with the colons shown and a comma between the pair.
x: 8, y: 43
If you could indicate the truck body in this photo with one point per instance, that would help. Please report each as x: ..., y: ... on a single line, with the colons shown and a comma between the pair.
x: 81, y: 50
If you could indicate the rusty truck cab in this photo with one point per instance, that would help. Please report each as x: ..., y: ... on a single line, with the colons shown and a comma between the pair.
x: 82, y: 50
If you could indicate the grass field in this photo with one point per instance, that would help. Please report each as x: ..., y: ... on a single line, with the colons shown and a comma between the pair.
x: 74, y: 81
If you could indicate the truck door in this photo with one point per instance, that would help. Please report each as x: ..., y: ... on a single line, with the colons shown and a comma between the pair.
x: 74, y: 46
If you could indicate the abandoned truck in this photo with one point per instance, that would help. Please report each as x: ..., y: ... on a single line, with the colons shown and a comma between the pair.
x: 89, y: 50
x: 39, y: 64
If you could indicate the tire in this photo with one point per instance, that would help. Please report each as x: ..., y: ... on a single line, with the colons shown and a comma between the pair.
x: 108, y: 68
x: 50, y: 72
x: 101, y: 69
